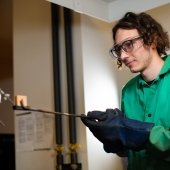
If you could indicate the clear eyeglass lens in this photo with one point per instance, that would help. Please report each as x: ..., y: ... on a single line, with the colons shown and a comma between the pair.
x: 127, y: 46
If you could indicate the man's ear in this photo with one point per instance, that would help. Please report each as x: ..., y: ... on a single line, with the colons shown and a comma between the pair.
x: 154, y: 42
x: 153, y: 45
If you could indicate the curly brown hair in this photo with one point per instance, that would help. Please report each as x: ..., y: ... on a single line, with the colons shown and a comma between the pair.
x: 147, y: 27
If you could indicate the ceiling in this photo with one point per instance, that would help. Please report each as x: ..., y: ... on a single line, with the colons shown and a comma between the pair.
x: 109, y: 10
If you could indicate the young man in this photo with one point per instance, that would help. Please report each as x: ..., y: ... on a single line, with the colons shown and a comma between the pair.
x: 141, y: 130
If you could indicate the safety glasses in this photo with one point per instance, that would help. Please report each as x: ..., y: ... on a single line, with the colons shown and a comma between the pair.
x: 127, y: 46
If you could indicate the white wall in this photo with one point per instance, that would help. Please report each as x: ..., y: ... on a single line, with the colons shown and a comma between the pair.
x: 101, y: 85
x: 33, y: 69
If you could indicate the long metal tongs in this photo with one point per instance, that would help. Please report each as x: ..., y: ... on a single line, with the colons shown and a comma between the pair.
x: 28, y: 108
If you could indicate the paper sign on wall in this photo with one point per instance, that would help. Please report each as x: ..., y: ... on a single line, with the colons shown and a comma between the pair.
x: 34, y: 131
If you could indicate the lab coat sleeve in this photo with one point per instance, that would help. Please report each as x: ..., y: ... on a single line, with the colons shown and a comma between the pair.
x: 159, y: 140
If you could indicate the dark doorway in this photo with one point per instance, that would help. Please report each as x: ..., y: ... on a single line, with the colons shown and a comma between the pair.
x: 7, y: 152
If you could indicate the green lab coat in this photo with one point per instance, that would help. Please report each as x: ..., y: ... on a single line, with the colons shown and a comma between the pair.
x: 150, y: 103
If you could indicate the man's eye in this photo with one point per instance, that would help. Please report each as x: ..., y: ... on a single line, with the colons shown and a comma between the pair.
x: 127, y: 45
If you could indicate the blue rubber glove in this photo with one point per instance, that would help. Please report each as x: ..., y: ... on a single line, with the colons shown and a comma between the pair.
x: 113, y: 129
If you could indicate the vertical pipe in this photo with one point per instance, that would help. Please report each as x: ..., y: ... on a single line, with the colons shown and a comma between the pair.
x: 55, y: 15
x: 70, y: 79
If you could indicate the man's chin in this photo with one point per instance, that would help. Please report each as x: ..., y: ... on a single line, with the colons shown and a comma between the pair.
x: 134, y: 70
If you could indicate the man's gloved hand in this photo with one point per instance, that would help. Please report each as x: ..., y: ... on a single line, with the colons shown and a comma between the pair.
x: 99, y: 116
x: 112, y: 128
